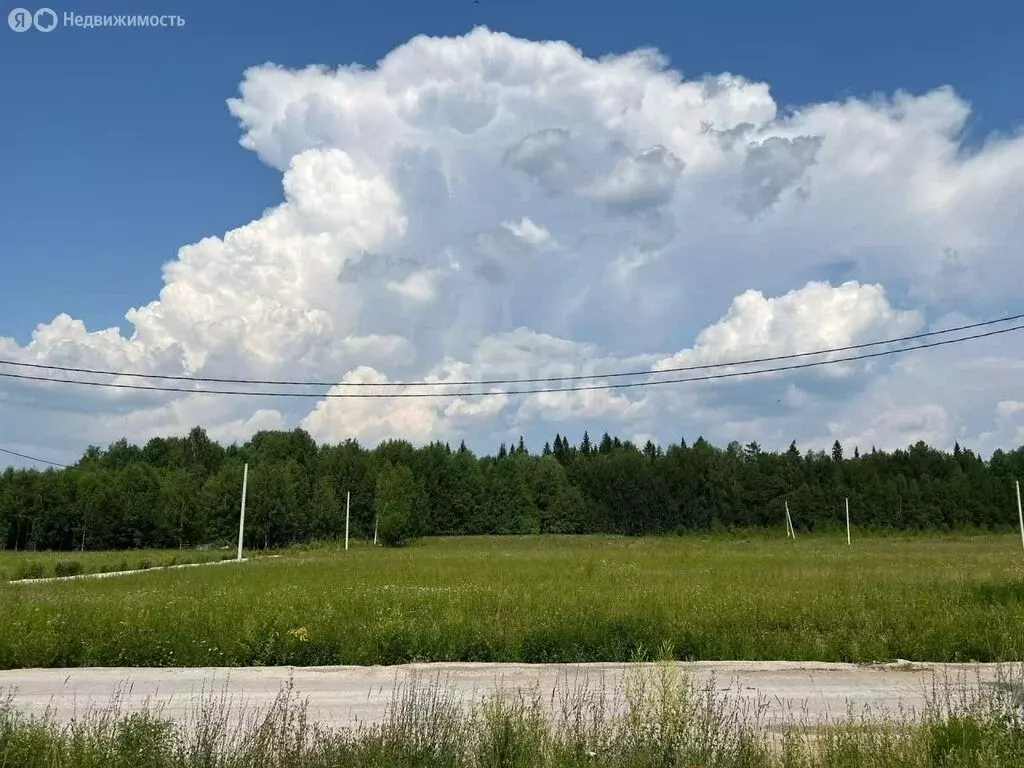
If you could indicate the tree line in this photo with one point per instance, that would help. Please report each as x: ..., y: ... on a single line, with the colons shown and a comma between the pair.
x: 185, y: 491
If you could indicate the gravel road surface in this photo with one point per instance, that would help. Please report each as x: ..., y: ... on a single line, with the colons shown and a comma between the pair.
x: 340, y: 696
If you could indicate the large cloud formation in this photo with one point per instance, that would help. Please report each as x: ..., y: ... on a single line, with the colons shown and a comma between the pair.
x: 486, y: 207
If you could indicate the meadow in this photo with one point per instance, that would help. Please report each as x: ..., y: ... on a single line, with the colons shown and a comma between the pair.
x: 42, y: 565
x: 542, y: 599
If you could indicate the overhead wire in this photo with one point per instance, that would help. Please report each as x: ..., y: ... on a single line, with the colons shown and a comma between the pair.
x: 490, y: 382
x: 33, y: 458
x: 530, y: 391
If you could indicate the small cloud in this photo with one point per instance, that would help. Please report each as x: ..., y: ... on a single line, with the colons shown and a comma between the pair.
x: 528, y: 231
x: 420, y: 286
x: 1006, y: 409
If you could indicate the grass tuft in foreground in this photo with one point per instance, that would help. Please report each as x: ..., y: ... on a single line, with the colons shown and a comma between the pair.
x: 663, y: 720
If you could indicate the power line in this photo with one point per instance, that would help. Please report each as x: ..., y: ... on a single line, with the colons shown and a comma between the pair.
x: 626, y: 385
x: 33, y: 458
x: 486, y: 382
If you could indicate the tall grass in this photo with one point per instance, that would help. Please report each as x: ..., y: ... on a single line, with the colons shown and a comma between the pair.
x: 47, y: 564
x: 663, y: 720
x: 557, y: 599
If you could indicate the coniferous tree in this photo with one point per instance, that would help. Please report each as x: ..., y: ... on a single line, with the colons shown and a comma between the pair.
x: 837, y: 452
x: 184, y: 491
x: 562, y: 450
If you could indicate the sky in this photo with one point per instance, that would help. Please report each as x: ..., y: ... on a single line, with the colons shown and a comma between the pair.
x: 452, y: 191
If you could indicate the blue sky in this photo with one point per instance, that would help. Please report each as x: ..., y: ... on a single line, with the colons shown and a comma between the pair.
x: 529, y: 211
x: 119, y: 147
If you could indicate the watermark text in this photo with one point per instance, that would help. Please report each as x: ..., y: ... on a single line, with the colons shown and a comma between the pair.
x: 47, y: 20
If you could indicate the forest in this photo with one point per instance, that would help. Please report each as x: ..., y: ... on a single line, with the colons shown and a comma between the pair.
x: 185, y: 491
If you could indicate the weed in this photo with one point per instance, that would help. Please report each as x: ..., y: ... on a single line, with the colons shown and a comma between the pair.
x: 664, y: 720
x: 67, y: 568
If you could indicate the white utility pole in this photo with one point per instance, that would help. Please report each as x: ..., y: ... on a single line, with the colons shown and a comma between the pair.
x: 847, y: 521
x: 789, y: 524
x: 376, y: 521
x: 1020, y: 514
x: 348, y: 499
x: 241, y: 518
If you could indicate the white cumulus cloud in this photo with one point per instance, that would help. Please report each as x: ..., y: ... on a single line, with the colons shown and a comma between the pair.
x: 484, y: 206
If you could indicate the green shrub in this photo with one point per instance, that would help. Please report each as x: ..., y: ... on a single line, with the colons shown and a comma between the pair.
x: 30, y: 570
x: 67, y: 568
x: 145, y: 565
x: 394, y: 503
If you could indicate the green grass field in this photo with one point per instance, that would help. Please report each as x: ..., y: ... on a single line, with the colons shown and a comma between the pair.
x: 41, y: 565
x: 953, y: 598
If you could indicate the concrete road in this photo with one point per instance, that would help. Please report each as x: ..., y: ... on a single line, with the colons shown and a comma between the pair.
x: 343, y: 696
